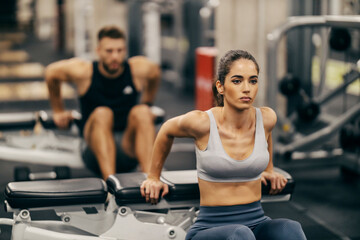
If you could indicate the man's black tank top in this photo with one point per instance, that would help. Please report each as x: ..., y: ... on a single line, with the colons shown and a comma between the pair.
x: 119, y: 94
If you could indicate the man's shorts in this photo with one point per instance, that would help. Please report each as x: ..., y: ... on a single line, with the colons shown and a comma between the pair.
x: 124, y: 163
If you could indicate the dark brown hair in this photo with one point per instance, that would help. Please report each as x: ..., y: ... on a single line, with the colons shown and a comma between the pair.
x: 111, y: 32
x: 225, y: 64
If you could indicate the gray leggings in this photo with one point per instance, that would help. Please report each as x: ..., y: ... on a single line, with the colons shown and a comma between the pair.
x: 242, y: 222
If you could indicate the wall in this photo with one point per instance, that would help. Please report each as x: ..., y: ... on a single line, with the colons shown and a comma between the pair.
x: 84, y: 18
x: 242, y: 24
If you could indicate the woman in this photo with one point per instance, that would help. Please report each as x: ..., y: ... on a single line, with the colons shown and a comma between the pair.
x: 234, y: 155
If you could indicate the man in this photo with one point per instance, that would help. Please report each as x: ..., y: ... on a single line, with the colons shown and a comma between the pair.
x: 108, y: 91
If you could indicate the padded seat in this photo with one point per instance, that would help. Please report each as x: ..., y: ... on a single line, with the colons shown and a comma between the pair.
x: 183, y: 185
x: 34, y: 194
x: 126, y: 187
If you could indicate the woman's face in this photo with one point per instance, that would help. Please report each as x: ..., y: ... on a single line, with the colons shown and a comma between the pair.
x: 241, y: 84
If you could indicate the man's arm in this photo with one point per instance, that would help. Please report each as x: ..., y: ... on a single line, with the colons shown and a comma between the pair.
x: 152, y: 84
x: 55, y: 74
x: 147, y: 77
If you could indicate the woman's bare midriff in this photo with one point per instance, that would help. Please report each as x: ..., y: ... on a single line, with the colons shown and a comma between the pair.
x: 229, y: 193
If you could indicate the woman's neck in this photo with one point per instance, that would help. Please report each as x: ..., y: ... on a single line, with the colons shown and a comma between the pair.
x: 235, y: 118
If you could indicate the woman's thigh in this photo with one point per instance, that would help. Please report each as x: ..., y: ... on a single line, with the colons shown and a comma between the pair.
x: 227, y: 232
x: 279, y: 229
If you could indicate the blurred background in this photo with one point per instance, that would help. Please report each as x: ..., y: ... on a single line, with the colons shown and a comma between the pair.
x: 308, y: 52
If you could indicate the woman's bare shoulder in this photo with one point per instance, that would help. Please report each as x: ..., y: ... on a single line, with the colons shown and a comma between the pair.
x: 269, y: 117
x: 196, y: 120
x: 191, y: 124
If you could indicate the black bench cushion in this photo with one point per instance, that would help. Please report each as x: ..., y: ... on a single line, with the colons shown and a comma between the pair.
x: 33, y: 194
x: 182, y: 186
x: 126, y: 187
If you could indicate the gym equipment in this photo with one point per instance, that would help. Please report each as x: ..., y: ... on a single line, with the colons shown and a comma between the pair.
x: 289, y: 85
x: 349, y: 137
x: 205, y: 72
x: 24, y: 174
x: 308, y: 111
x: 340, y: 39
x: 85, y: 213
x: 297, y: 141
x: 28, y: 120
x: 32, y: 138
x: 35, y: 130
x: 309, y: 108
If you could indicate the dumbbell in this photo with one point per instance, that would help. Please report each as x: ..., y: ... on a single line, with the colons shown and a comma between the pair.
x: 24, y: 174
x: 307, y: 110
x: 289, y: 85
x: 47, y: 121
x: 340, y: 39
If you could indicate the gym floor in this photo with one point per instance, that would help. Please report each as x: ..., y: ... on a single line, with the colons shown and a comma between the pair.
x: 325, y: 202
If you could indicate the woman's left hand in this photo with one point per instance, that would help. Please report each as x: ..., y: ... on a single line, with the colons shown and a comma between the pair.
x: 277, y: 180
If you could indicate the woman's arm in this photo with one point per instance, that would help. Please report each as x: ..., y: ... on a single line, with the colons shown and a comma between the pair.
x: 277, y: 180
x: 191, y: 125
x: 147, y: 77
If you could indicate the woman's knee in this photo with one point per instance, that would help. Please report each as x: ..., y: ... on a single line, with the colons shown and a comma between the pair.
x: 293, y: 228
x: 241, y: 233
x: 290, y: 225
x: 280, y: 229
x: 226, y: 232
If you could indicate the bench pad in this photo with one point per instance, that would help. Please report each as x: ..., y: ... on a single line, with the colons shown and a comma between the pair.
x: 125, y: 187
x: 33, y: 194
x: 183, y: 185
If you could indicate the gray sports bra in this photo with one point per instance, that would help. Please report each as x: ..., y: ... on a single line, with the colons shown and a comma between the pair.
x: 215, y: 165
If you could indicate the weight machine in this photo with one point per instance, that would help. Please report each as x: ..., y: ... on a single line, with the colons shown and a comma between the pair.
x: 312, y: 108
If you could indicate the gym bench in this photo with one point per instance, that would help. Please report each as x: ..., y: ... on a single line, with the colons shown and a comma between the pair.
x: 90, y: 208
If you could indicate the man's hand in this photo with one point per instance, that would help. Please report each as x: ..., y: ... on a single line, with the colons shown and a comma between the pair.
x: 150, y: 189
x: 62, y: 119
x: 278, y: 181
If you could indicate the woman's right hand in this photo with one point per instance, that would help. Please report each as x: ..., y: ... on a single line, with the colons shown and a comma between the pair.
x: 151, y: 188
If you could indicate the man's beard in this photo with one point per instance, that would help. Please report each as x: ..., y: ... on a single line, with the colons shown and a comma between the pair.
x: 111, y: 71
